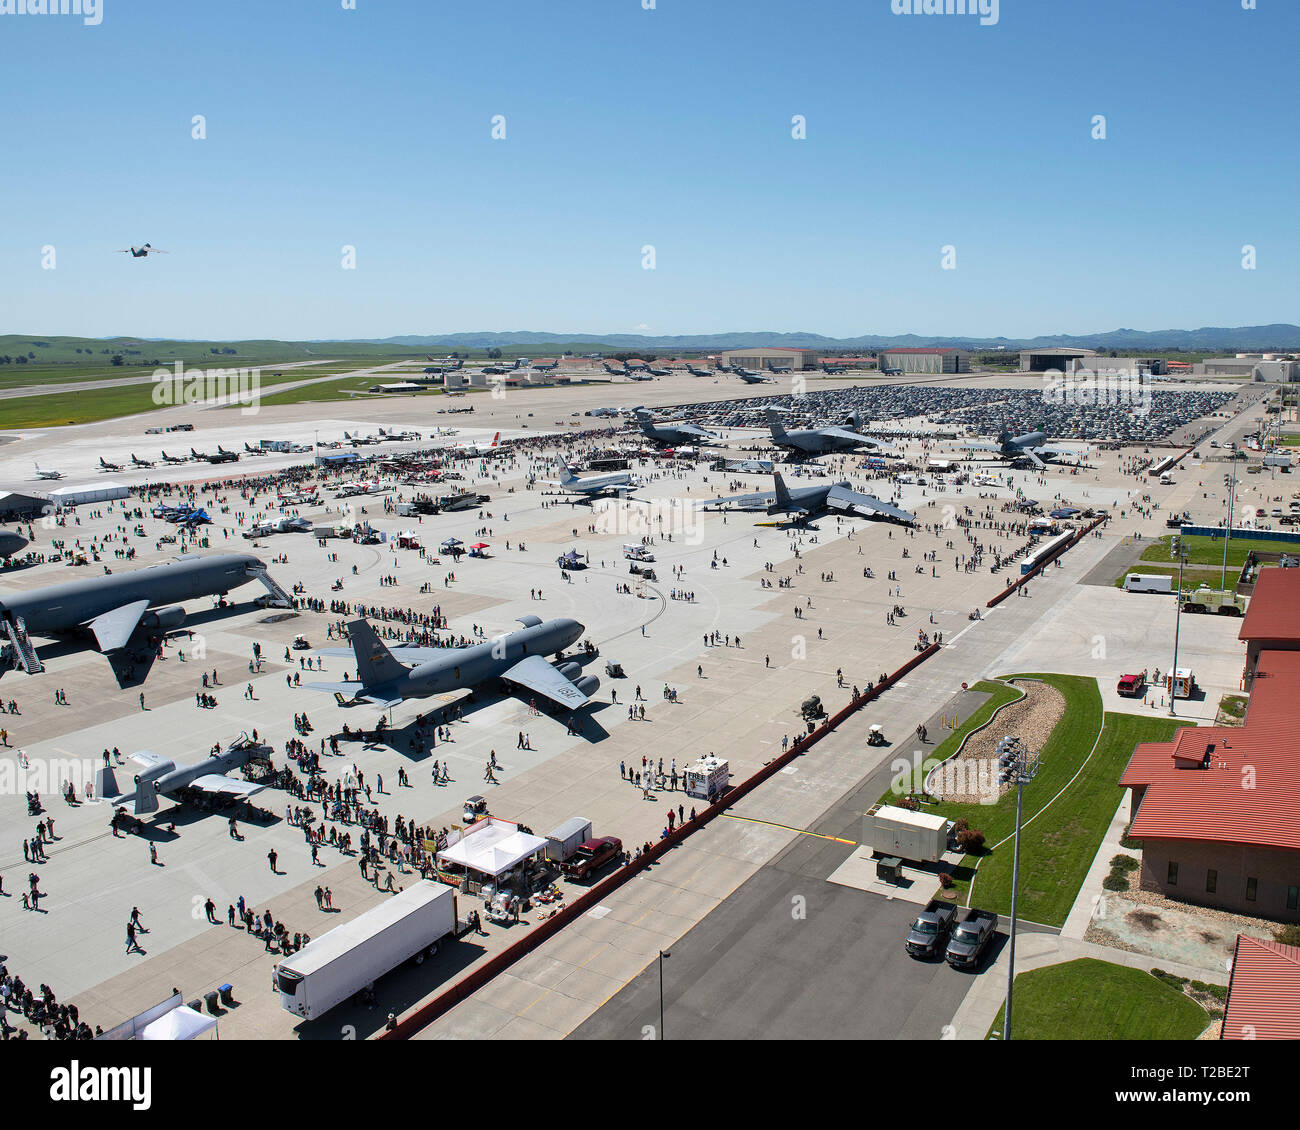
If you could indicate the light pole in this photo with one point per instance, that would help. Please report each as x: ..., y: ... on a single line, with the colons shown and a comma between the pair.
x: 1178, y: 620
x: 1019, y: 765
x: 1227, y: 532
x: 662, y: 954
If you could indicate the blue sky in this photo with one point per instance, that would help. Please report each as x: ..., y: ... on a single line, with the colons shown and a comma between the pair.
x: 669, y: 127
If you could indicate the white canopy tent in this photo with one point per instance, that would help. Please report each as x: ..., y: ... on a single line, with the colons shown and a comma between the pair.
x: 181, y: 1023
x: 493, y: 849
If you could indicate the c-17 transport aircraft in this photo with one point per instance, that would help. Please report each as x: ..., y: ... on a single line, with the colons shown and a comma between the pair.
x: 114, y: 605
x: 808, y: 502
x: 160, y: 775
x: 817, y: 441
x: 518, y: 657
x: 1028, y: 447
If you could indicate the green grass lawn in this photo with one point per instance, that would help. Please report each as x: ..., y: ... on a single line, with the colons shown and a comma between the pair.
x: 1095, y: 1000
x: 1209, y: 551
x: 1058, y: 847
x: 344, y: 388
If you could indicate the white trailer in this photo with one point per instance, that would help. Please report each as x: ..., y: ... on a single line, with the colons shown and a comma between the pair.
x: 333, y: 967
x: 564, y: 841
x: 916, y: 836
x: 637, y: 553
x: 1148, y: 582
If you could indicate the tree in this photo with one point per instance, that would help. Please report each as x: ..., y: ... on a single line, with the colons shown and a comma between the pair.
x: 117, y: 359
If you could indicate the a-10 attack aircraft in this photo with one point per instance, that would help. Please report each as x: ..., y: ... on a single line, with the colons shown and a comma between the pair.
x: 518, y: 657
x: 1028, y: 448
x: 803, y: 503
x: 162, y: 776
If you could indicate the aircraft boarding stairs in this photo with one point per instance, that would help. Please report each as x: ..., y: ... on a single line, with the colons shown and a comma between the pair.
x: 280, y: 598
x: 19, y: 651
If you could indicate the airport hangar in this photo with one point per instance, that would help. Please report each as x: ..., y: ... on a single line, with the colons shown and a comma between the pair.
x: 770, y: 357
x: 926, y: 360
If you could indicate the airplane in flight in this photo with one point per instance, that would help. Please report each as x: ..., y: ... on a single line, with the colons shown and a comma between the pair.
x: 672, y: 435
x: 519, y: 657
x: 142, y: 252
x: 47, y: 474
x: 139, y: 462
x: 172, y: 460
x: 106, y: 466
x: 592, y: 485
x: 1028, y: 448
x: 477, y: 447
x: 816, y: 441
x: 803, y: 503
x: 160, y: 776
x: 752, y: 378
x: 112, y: 606
x: 11, y: 543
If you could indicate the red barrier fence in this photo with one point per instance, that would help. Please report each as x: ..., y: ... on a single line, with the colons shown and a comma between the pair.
x: 1037, y: 569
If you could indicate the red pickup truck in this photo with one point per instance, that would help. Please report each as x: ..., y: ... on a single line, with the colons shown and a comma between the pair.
x: 592, y: 855
x: 1130, y: 686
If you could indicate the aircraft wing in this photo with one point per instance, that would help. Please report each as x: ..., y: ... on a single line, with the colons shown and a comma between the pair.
x: 981, y: 447
x: 147, y: 760
x: 851, y: 502
x: 1053, y: 449
x: 693, y: 430
x: 845, y: 433
x: 759, y: 500
x: 537, y: 675
x: 113, y: 629
x: 227, y: 786
x: 356, y: 691
x: 403, y: 653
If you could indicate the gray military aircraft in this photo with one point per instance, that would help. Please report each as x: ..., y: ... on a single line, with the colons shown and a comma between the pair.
x: 592, y: 485
x: 280, y: 526
x: 803, y: 503
x: 750, y: 377
x: 160, y: 775
x: 519, y: 657
x: 817, y: 441
x: 671, y: 435
x: 114, y: 605
x: 1028, y: 448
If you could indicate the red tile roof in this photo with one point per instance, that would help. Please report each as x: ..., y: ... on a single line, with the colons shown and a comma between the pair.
x: 1227, y: 784
x: 1274, y: 610
x: 1264, y: 992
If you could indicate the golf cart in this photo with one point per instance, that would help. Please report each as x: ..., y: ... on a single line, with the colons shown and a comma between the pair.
x: 876, y: 736
x: 475, y: 809
x: 614, y: 670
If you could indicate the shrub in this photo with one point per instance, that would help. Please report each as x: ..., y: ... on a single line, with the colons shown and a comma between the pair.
x: 945, y: 880
x: 1113, y: 882
x: 960, y: 824
x: 970, y: 840
x: 1288, y: 935
x: 1124, y: 863
x: 1127, y: 841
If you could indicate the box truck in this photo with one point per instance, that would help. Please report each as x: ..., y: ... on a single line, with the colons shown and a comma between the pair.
x: 916, y: 836
x: 333, y: 967
x: 566, y: 839
x: 1148, y: 582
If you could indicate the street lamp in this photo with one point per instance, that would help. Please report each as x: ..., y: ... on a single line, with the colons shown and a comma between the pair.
x: 662, y: 954
x: 1017, y: 764
x: 1178, y: 620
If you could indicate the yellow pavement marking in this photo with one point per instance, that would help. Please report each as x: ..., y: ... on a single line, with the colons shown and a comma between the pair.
x: 787, y: 828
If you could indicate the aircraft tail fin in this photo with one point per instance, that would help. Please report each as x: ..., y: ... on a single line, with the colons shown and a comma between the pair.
x: 774, y: 423
x: 566, y: 473
x: 376, y: 665
x: 106, y: 784
x: 782, y: 493
x: 495, y: 436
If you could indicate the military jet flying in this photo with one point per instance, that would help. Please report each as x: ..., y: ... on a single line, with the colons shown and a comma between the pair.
x: 162, y: 776
x: 592, y: 485
x: 803, y: 503
x: 141, y: 252
x: 817, y: 441
x: 519, y: 657
x: 671, y: 435
x: 1028, y: 448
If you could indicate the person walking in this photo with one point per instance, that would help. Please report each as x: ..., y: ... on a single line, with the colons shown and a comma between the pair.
x: 131, y: 943
x: 271, y: 857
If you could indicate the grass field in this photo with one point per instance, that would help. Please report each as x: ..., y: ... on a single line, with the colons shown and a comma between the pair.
x: 1057, y: 847
x: 343, y: 388
x: 1209, y: 551
x: 1095, y: 1000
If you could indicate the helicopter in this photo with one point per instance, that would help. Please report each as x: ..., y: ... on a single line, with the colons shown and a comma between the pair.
x: 141, y: 252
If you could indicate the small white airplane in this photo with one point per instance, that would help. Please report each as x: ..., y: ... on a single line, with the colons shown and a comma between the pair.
x: 592, y: 485
x: 47, y: 474
x: 474, y: 447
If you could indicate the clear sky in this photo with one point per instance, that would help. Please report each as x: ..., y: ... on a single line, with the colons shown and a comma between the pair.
x: 669, y: 127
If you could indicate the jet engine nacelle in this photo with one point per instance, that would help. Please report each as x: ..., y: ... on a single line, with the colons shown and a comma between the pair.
x: 164, y: 619
x: 570, y: 670
x: 146, y: 787
x: 587, y: 684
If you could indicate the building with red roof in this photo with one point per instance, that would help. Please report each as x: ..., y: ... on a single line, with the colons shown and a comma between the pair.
x: 1272, y: 621
x: 1263, y: 992
x: 1218, y: 808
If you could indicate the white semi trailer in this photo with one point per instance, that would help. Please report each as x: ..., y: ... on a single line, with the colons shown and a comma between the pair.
x: 333, y: 967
